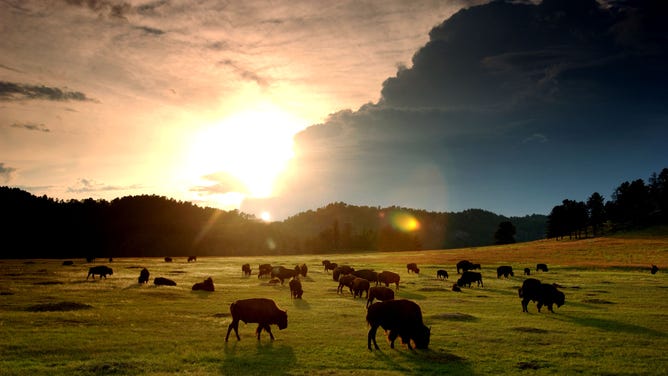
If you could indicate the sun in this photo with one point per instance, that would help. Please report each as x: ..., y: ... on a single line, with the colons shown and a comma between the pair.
x: 265, y: 216
x: 244, y: 153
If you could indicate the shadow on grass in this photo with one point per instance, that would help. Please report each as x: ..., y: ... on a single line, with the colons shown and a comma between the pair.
x: 614, y: 326
x: 410, y: 295
x: 268, y: 358
x: 301, y: 304
x: 423, y: 362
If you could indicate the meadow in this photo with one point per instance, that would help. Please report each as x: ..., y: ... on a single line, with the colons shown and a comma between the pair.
x: 56, y: 322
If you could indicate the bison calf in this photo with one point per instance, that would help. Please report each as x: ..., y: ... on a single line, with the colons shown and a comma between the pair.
x: 441, y: 274
x: 402, y: 318
x: 207, y: 285
x: 296, y: 290
x: 262, y: 311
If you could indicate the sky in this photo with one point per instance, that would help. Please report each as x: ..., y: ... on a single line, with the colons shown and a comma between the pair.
x: 277, y: 107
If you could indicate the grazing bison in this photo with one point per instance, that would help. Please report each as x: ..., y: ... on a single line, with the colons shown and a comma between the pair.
x: 367, y: 274
x: 441, y: 274
x: 70, y: 262
x: 246, y: 270
x: 412, y: 267
x: 541, y: 267
x: 302, y: 269
x: 381, y: 293
x: 505, y: 271
x: 329, y: 265
x: 143, y: 276
x: 654, y: 269
x: 542, y: 293
x: 464, y: 265
x: 527, y: 271
x: 387, y: 277
x: 101, y: 270
x: 296, y: 291
x: 262, y: 311
x: 402, y: 318
x: 207, y: 285
x: 347, y: 281
x: 264, y: 269
x: 168, y: 259
x: 469, y: 277
x: 161, y: 281
x: 360, y: 285
x: 283, y: 273
x: 341, y: 270
x: 192, y: 258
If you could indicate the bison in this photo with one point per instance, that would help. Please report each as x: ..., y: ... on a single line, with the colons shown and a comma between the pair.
x: 402, y: 318
x: 143, y: 276
x: 101, y: 270
x: 360, y: 285
x: 264, y: 269
x: 302, y: 269
x: 469, y: 277
x: 168, y: 259
x: 341, y: 270
x: 346, y: 280
x: 654, y: 269
x: 527, y: 271
x: 296, y: 290
x: 262, y: 311
x: 505, y: 271
x: 283, y: 273
x: 381, y: 293
x: 207, y: 285
x: 68, y: 263
x: 441, y: 274
x: 464, y: 265
x: 412, y: 267
x: 367, y: 274
x: 246, y: 270
x: 542, y: 293
x: 161, y: 281
x: 541, y: 267
x: 192, y: 258
x: 329, y: 265
x: 388, y: 277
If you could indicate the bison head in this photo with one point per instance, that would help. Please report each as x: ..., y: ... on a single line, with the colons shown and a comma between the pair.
x: 282, y: 320
x: 559, y: 298
x: 421, y: 337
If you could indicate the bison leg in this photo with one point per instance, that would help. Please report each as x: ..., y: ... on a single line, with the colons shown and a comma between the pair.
x: 369, y: 301
x: 234, y: 325
x: 267, y: 328
x: 372, y: 337
x: 525, y: 303
x: 539, y: 305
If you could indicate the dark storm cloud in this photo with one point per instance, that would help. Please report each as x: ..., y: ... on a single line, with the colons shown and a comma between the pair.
x: 13, y: 91
x: 504, y: 97
x: 6, y: 173
x: 31, y: 127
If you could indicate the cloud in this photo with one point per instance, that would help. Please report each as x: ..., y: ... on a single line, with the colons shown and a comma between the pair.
x: 114, y: 9
x: 31, y: 127
x: 6, y: 173
x: 221, y: 183
x: 489, y: 76
x: 244, y: 73
x: 89, y: 185
x: 10, y: 91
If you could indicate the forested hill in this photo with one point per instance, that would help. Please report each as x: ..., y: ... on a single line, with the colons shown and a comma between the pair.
x: 149, y: 225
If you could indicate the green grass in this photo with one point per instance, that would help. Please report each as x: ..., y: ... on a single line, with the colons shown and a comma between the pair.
x: 614, y: 320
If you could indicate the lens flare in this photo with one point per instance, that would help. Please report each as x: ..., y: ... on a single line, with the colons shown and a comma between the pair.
x: 404, y: 221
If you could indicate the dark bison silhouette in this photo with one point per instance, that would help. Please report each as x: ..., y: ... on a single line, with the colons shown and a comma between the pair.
x: 162, y: 281
x: 541, y: 267
x: 207, y: 285
x: 296, y: 290
x: 412, y: 267
x: 402, y: 318
x: 505, y: 271
x: 101, y: 270
x: 381, y: 293
x: 143, y: 276
x: 542, y: 293
x: 441, y: 274
x: 469, y: 277
x: 246, y: 269
x: 387, y: 277
x: 262, y: 311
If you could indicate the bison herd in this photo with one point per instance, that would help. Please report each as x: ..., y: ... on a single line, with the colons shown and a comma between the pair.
x: 400, y: 318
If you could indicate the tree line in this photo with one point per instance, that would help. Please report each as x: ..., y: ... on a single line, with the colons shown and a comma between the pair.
x: 155, y: 226
x: 633, y: 205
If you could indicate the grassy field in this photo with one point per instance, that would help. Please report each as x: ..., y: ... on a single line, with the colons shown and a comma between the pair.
x: 55, y: 322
